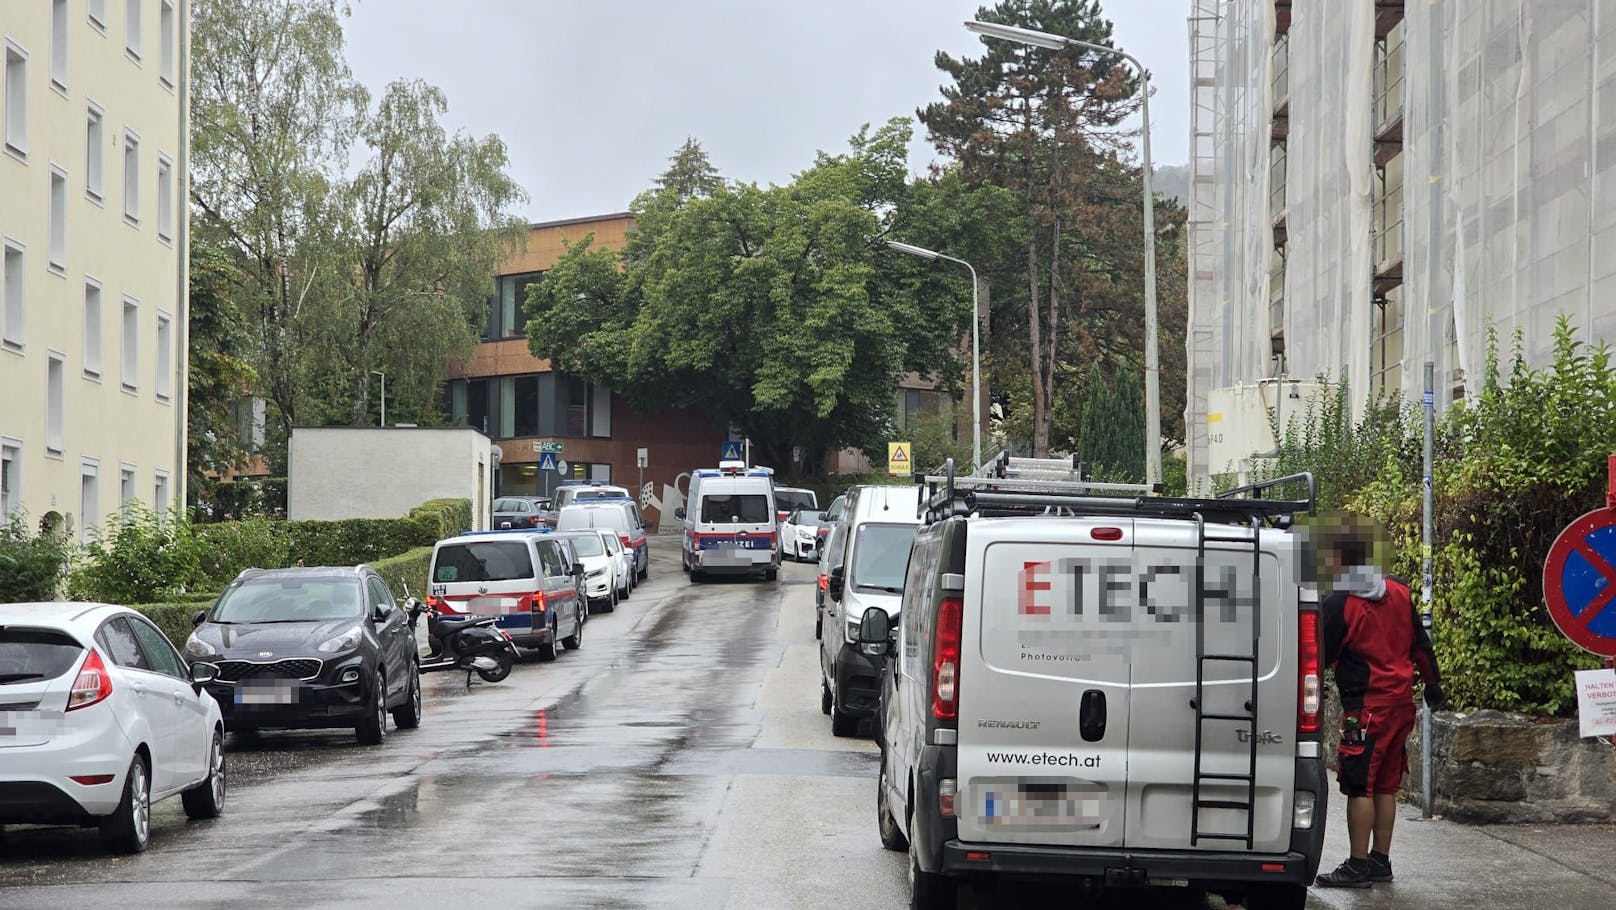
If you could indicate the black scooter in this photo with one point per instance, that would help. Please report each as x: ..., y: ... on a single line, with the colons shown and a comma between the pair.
x: 463, y: 643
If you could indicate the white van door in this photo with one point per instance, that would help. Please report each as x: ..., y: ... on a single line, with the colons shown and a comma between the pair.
x: 1162, y: 745
x: 1044, y: 707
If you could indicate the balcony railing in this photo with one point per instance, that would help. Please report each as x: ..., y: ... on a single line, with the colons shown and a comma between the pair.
x: 1388, y: 228
x: 1388, y: 80
x: 1281, y: 84
x: 1276, y: 182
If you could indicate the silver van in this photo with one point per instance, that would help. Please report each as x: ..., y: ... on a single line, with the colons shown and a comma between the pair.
x: 872, y: 541
x: 1116, y: 689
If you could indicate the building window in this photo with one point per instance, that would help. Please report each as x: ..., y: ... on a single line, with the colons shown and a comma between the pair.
x: 477, y: 405
x: 89, y: 498
x: 131, y: 177
x: 59, y: 45
x: 168, y: 40
x: 165, y: 200
x: 55, y: 394
x: 92, y: 328
x: 94, y: 139
x: 10, y: 476
x: 57, y: 258
x: 507, y: 320
x: 600, y: 412
x: 575, y: 406
x: 131, y: 345
x: 98, y: 15
x: 247, y: 421
x: 160, y: 494
x: 13, y: 309
x: 126, y: 488
x: 165, y: 357
x: 16, y: 113
x: 131, y: 29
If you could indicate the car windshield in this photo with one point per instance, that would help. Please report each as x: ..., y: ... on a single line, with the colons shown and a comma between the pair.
x: 809, y: 519
x: 571, y: 519
x: 289, y: 600
x: 32, y: 654
x: 744, y: 508
x: 880, y: 556
x: 484, y: 560
x: 587, y: 544
x: 788, y: 500
x: 510, y: 505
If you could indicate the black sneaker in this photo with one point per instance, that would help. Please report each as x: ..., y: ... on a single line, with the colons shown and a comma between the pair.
x: 1354, y: 873
x: 1380, y: 867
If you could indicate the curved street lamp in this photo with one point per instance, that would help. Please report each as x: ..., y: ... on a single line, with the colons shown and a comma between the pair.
x: 976, y: 353
x: 1152, y: 364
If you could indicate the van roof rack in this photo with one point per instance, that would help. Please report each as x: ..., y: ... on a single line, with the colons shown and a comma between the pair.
x: 1006, y: 485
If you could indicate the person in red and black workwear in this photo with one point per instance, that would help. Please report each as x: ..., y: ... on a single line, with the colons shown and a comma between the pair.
x: 1373, y: 638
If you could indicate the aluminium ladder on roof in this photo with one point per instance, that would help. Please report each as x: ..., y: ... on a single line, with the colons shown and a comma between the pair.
x: 1248, y: 717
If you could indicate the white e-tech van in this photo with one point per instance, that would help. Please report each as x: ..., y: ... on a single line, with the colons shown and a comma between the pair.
x: 1116, y: 689
x: 729, y: 523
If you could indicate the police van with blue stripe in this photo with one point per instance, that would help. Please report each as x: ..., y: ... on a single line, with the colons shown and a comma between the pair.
x: 730, y: 526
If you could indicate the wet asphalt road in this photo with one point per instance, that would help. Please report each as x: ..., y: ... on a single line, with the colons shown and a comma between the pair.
x: 678, y: 759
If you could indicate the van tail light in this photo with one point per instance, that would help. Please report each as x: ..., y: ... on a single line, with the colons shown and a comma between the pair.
x: 538, y: 602
x: 624, y: 539
x: 824, y: 582
x: 946, y: 659
x: 92, y: 685
x: 695, y: 540
x: 1307, y: 702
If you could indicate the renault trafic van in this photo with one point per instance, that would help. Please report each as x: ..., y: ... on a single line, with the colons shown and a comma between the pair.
x: 1114, y: 689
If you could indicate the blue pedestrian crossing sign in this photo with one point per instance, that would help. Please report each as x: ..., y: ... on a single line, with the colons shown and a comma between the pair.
x: 547, y: 461
x: 731, y: 451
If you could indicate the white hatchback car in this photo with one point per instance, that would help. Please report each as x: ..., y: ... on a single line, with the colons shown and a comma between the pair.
x: 99, y: 718
x: 623, y: 559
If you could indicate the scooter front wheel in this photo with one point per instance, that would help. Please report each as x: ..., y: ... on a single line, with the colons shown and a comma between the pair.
x: 503, y: 658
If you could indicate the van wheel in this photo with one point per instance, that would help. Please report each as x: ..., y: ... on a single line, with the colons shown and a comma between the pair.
x: 771, y: 574
x: 825, y: 698
x: 891, y: 837
x: 547, y: 650
x: 1270, y: 896
x: 696, y: 577
x: 842, y: 724
x: 928, y: 890
x: 573, y: 641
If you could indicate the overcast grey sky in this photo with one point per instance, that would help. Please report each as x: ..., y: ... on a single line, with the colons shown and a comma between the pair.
x: 592, y: 96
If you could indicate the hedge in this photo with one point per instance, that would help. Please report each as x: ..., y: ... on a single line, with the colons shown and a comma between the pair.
x: 173, y: 618
x: 237, y: 545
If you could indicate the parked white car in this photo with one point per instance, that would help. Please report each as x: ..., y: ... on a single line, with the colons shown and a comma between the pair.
x: 102, y: 718
x: 627, y: 579
x: 801, y: 533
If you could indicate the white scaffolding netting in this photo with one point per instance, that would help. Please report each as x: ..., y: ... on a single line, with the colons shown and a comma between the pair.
x: 1489, y: 199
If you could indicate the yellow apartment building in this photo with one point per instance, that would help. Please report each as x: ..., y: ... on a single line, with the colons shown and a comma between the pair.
x: 93, y: 157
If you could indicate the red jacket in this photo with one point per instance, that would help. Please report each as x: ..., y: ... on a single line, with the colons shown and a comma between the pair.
x: 1377, y: 647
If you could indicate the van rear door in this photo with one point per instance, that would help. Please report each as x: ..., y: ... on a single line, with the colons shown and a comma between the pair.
x: 1162, y: 740
x: 1044, y: 708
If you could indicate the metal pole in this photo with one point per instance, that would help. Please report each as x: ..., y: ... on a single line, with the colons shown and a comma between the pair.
x: 1427, y: 578
x: 976, y: 374
x: 1152, y: 365
x: 384, y: 399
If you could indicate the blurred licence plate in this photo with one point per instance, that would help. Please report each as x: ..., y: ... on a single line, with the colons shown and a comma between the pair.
x: 487, y: 606
x: 725, y: 556
x: 272, y: 694
x: 1054, y: 805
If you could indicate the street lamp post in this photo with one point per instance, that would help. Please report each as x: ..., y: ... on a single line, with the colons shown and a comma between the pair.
x: 1152, y: 364
x: 384, y: 395
x: 976, y: 351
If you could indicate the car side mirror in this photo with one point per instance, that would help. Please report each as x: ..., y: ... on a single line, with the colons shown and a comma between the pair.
x: 835, y: 582
x: 577, y: 568
x: 378, y: 613
x: 198, y: 616
x: 875, y: 632
x: 679, y: 513
x: 203, y: 673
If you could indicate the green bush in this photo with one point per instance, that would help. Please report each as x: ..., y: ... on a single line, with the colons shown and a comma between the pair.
x: 138, y: 556
x: 229, y: 547
x: 442, y: 518
x: 406, y: 569
x: 31, y: 565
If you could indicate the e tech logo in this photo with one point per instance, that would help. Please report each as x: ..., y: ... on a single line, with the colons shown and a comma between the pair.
x: 1118, y: 590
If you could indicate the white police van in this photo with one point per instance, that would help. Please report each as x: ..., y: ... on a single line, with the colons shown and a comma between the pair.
x: 729, y: 523
x: 1113, y: 689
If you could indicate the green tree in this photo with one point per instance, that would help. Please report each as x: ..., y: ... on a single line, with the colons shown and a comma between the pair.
x: 1114, y: 426
x: 1046, y: 125
x: 769, y: 308
x: 218, y: 373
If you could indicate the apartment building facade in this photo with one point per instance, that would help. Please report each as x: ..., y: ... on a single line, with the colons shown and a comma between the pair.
x: 1376, y: 184
x: 93, y: 151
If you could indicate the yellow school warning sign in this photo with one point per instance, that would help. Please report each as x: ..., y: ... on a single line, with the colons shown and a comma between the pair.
x: 898, y: 460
